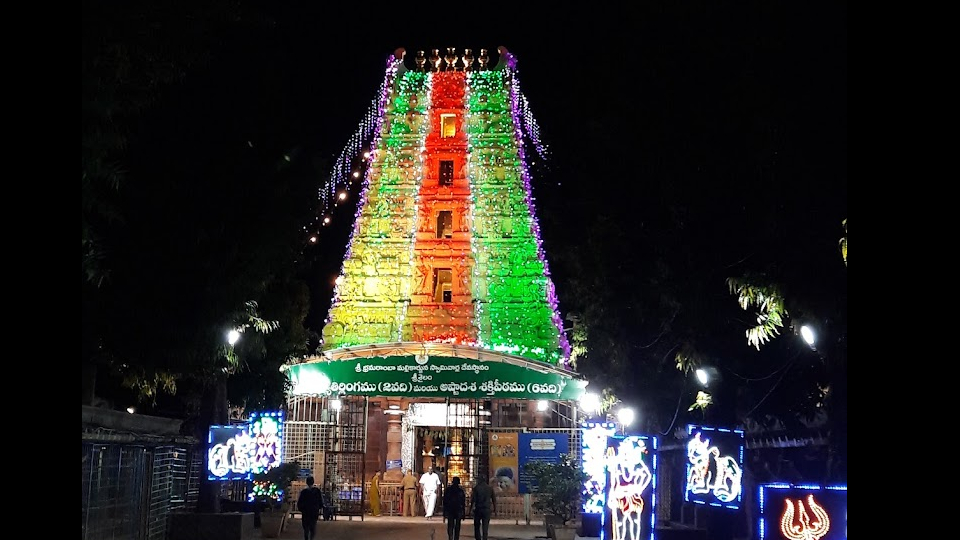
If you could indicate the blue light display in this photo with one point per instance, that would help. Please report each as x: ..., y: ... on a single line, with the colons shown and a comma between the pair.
x: 715, y: 466
x: 622, y: 480
x: 237, y: 452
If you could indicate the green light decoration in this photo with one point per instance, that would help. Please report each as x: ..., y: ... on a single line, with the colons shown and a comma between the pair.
x: 500, y: 296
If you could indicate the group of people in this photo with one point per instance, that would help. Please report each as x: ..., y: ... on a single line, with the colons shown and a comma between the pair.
x: 483, y: 502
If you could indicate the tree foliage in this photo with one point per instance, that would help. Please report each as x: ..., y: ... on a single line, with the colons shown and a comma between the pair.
x: 558, y: 486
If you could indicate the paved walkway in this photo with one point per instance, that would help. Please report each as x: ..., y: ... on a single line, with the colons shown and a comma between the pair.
x: 410, y: 528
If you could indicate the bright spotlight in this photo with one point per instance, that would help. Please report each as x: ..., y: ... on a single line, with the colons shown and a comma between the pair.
x: 625, y: 415
x: 543, y: 405
x: 232, y: 337
x: 808, y: 335
x: 590, y: 402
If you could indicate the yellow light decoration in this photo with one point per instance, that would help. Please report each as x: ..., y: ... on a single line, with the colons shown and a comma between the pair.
x: 796, y: 524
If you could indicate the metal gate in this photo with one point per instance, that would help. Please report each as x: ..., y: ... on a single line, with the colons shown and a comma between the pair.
x: 343, y: 471
x: 128, y: 488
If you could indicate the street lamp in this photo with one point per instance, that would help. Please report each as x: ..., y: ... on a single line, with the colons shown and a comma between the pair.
x: 707, y: 375
x: 543, y: 405
x: 232, y: 337
x: 808, y: 335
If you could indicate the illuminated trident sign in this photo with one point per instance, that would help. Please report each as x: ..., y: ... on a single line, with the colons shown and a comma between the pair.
x: 796, y: 523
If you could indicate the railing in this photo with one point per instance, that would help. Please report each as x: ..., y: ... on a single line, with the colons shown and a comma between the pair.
x: 508, y: 506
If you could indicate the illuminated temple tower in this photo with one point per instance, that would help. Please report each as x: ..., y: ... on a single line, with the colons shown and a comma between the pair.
x: 446, y: 247
x: 444, y: 329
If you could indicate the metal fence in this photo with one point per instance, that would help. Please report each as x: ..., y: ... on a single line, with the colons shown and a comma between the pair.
x: 129, y: 488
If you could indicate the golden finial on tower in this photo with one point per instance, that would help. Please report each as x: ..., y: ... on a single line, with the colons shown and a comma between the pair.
x: 435, y: 60
x: 421, y: 60
x: 451, y: 59
x: 484, y: 58
x: 468, y: 60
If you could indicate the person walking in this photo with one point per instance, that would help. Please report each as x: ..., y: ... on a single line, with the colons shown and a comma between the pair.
x: 409, y: 487
x: 483, y: 501
x: 429, y: 483
x: 375, y: 494
x: 454, y: 508
x: 309, y: 503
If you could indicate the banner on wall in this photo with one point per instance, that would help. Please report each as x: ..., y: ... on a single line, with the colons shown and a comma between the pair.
x: 545, y: 447
x: 433, y: 376
x: 504, y: 469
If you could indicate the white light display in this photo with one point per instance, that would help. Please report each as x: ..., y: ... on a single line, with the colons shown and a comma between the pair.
x: 711, y: 474
x: 238, y: 452
x: 630, y: 463
x: 594, y: 438
x: 629, y: 478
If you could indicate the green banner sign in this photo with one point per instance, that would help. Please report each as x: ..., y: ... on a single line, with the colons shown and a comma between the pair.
x: 420, y: 375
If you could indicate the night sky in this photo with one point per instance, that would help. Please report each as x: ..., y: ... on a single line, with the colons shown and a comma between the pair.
x: 706, y: 126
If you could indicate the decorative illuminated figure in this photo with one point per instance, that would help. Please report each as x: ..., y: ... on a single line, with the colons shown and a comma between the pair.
x: 629, y: 478
x: 711, y: 472
x: 252, y: 448
x: 796, y: 523
x: 266, y: 443
x: 232, y: 456
x: 594, y: 443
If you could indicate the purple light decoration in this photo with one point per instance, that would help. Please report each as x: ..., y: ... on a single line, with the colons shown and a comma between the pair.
x: 370, y: 124
x: 393, y: 64
x: 528, y: 197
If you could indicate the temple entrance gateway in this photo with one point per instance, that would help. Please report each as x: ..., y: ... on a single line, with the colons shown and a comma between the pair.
x: 374, y: 408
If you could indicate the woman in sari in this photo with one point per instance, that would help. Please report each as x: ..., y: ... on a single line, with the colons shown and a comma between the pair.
x: 375, y: 494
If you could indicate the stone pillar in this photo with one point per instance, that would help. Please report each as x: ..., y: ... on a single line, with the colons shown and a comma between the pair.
x: 394, y: 439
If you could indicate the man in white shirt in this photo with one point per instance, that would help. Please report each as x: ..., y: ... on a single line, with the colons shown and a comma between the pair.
x: 429, y: 483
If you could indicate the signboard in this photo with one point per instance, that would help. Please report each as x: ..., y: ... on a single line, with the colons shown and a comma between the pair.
x: 789, y: 511
x: 432, y: 376
x: 238, y: 451
x: 545, y: 447
x: 229, y: 449
x: 714, y: 466
x: 393, y: 464
x: 504, y: 462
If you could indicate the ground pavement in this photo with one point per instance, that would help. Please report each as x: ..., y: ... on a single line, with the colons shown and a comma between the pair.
x: 410, y: 528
